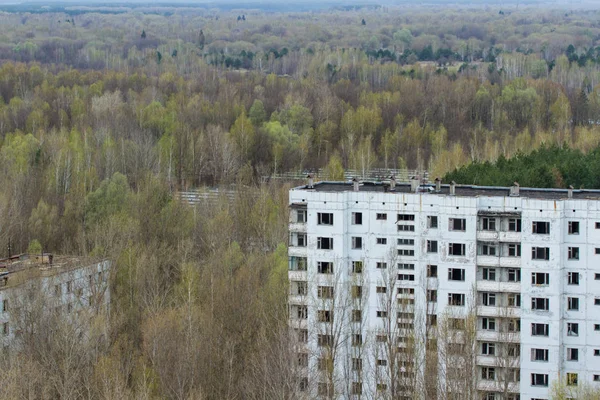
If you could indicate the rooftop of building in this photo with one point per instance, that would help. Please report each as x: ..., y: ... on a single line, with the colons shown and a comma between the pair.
x: 17, y: 269
x: 454, y: 189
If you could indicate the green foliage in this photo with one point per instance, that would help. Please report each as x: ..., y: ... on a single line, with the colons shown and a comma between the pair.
x: 34, y: 247
x: 109, y: 199
x: 546, y: 167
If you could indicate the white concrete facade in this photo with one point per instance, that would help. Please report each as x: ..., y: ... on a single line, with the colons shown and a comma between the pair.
x: 527, y: 266
x: 64, y: 288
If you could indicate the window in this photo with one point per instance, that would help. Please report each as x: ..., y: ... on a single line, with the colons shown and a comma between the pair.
x: 539, y: 355
x: 597, y: 250
x: 301, y: 239
x: 597, y: 225
x: 597, y: 277
x: 432, y: 221
x: 488, y: 373
x: 456, y: 299
x: 325, y: 292
x: 302, y: 335
x: 488, y: 299
x: 5, y: 328
x: 381, y: 289
x: 356, y: 387
x: 303, y: 384
x: 356, y: 292
x: 381, y: 217
x: 69, y: 286
x: 514, y: 250
x: 325, y: 340
x: 596, y: 301
x: 356, y: 339
x: 324, y: 243
x: 456, y: 324
x: 432, y: 296
x: 489, y: 274
x: 382, y: 314
x: 382, y: 387
x: 514, y: 225
x: 381, y: 338
x: 596, y: 352
x: 410, y: 267
x: 302, y: 360
x: 456, y: 274
x: 573, y: 253
x: 572, y: 354
x: 302, y: 312
x: 325, y: 389
x: 301, y: 288
x: 381, y: 265
x: 488, y: 224
x: 456, y: 249
x: 597, y: 327
x: 539, y: 380
x: 406, y: 242
x: 406, y: 228
x: 406, y: 291
x: 297, y: 263
x: 539, y: 329
x: 356, y: 315
x: 5, y: 305
x: 406, y: 252
x: 406, y: 217
x: 301, y: 216
x: 57, y: 290
x: 540, y: 227
x: 572, y: 329
x: 514, y: 275
x: 571, y: 379
x: 489, y: 396
x: 573, y: 278
x: 325, y: 267
x: 488, y: 349
x: 514, y: 325
x: 381, y: 363
x: 356, y: 242
x: 540, y: 253
x: 432, y: 246
x: 540, y: 303
x: 381, y: 240
x: 488, y: 324
x: 514, y: 300
x: 432, y: 271
x: 487, y: 250
x: 596, y: 378
x: 573, y: 303
x: 573, y: 227
x: 357, y: 364
x: 323, y: 363
x: 406, y: 277
x: 357, y: 267
x: 540, y: 278
x: 325, y: 218
x: 356, y: 218
x: 457, y: 224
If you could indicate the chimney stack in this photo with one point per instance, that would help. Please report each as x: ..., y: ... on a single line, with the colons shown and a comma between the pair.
x: 438, y: 185
x: 414, y: 184
x: 311, y: 183
x: 570, y: 192
x: 452, y: 188
x: 514, y: 189
x: 355, y: 182
x: 392, y: 183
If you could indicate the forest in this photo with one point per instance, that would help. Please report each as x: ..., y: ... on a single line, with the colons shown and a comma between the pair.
x: 107, y: 112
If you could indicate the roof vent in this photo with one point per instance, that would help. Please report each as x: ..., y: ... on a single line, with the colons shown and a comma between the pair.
x: 452, y: 188
x: 570, y: 192
x: 311, y: 182
x: 355, y: 182
x: 438, y: 185
x: 514, y: 189
x: 392, y: 183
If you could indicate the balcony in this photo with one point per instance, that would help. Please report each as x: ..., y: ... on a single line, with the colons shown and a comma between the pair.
x: 297, y: 227
x: 297, y: 275
x: 496, y: 336
x: 495, y: 261
x: 296, y: 251
x: 498, y: 386
x: 487, y: 361
x: 494, y: 286
x: 297, y: 299
x: 493, y: 311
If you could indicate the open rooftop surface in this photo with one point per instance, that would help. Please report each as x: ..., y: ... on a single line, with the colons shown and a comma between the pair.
x: 460, y: 190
